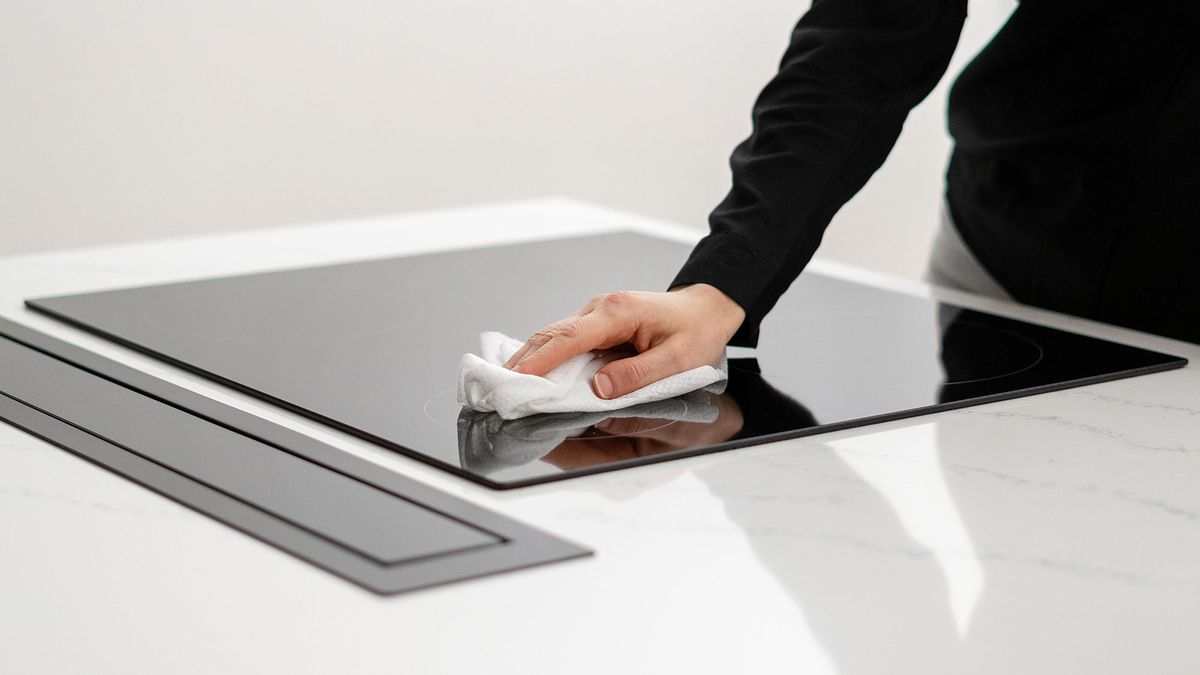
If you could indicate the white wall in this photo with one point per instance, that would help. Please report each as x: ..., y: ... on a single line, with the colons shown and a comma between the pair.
x: 124, y: 119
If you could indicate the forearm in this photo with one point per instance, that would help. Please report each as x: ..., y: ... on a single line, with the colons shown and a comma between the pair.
x: 822, y: 126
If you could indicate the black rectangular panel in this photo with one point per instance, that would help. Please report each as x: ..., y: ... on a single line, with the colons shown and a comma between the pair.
x: 389, y: 534
x: 372, y: 348
x: 370, y: 521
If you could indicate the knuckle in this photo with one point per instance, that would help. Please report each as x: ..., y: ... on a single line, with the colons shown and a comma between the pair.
x: 635, y: 373
x: 542, y: 336
x: 568, y: 329
x: 611, y: 301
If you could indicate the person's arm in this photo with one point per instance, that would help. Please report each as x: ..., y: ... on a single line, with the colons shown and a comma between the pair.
x: 822, y: 126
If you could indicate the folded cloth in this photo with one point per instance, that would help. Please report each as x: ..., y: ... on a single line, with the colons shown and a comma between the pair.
x: 487, y: 443
x: 485, y: 385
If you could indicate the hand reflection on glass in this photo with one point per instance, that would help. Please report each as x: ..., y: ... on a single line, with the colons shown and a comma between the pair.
x: 749, y: 408
x: 488, y: 444
x: 621, y: 438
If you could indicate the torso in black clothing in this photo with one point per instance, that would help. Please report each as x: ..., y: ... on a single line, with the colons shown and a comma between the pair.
x: 1075, y: 177
x: 1076, y: 171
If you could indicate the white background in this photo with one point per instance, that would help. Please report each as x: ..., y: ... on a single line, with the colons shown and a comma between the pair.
x: 128, y: 120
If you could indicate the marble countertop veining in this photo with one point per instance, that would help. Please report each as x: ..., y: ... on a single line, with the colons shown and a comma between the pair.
x: 1057, y: 533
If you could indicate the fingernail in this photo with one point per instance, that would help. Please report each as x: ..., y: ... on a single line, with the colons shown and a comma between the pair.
x: 603, y: 385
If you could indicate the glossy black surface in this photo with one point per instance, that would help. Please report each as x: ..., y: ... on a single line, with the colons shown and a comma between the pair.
x: 379, y: 529
x: 373, y: 347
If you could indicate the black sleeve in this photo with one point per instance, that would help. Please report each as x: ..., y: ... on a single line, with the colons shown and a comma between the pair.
x: 822, y: 126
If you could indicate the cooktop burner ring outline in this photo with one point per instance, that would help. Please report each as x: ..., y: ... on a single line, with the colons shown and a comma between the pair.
x: 376, y: 388
x: 1031, y: 361
x: 1041, y: 354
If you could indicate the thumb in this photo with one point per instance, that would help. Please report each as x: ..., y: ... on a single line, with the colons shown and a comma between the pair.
x: 630, y: 374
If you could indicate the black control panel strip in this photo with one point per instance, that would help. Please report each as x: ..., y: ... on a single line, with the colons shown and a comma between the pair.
x: 358, y: 520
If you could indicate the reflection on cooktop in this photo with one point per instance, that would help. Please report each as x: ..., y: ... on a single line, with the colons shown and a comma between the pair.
x: 372, y: 348
x: 488, y: 444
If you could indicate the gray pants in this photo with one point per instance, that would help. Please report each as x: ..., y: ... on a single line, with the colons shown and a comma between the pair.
x: 952, y: 264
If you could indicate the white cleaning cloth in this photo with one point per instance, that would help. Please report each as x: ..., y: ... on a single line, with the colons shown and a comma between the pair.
x: 484, y: 384
x: 487, y: 443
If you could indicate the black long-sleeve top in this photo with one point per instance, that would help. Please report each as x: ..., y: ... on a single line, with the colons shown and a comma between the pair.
x: 1075, y: 176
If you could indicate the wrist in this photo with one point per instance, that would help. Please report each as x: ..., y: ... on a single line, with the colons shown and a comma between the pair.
x: 726, y: 312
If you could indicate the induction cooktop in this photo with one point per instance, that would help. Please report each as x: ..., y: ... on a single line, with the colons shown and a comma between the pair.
x: 372, y: 348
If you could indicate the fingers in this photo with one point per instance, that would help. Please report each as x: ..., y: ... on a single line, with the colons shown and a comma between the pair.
x: 566, y: 339
x: 525, y: 349
x: 543, y: 336
x: 626, y: 375
x: 604, y: 321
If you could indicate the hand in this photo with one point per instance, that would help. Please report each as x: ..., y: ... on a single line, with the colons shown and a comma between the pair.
x: 672, y: 332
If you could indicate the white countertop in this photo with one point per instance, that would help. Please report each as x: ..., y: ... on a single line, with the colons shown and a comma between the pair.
x: 1058, y: 533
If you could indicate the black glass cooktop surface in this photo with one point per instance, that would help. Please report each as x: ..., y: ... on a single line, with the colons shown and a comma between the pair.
x: 373, y: 348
